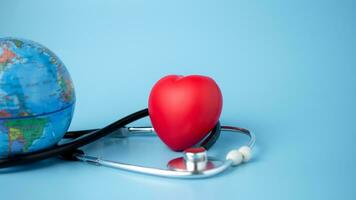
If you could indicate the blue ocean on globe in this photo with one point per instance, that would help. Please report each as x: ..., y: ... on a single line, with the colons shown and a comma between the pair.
x: 36, y: 97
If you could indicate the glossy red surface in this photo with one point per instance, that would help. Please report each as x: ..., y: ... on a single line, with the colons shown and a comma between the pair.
x: 184, y: 109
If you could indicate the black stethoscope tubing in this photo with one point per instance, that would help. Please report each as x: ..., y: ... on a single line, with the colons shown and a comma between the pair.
x: 84, y: 137
x: 69, y: 147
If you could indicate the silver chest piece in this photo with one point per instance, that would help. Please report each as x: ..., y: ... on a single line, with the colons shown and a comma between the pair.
x: 195, y: 160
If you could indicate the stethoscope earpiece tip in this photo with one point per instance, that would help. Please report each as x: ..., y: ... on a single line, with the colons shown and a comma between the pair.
x: 237, y: 156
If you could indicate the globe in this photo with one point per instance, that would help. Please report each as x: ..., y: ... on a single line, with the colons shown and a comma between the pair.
x: 36, y: 97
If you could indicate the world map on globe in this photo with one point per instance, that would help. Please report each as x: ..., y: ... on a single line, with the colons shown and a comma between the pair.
x: 36, y: 97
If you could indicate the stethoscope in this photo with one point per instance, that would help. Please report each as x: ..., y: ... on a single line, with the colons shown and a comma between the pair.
x: 194, y: 164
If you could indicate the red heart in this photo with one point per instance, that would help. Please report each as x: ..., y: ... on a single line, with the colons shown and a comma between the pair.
x: 184, y: 109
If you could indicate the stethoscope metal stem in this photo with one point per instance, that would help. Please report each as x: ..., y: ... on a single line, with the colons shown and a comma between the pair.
x: 153, y: 171
x: 126, y: 131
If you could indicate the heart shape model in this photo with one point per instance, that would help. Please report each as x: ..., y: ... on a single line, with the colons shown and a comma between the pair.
x: 183, y: 109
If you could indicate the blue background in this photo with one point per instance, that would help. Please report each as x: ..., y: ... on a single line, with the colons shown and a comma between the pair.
x: 286, y: 70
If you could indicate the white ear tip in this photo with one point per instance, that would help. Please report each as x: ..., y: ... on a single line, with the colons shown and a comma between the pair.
x: 235, y: 156
x: 246, y: 153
